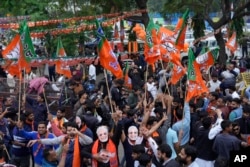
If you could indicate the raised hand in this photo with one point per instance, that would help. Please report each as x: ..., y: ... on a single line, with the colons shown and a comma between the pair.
x: 31, y: 143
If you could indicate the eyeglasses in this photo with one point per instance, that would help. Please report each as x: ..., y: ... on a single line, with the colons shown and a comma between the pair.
x: 236, y: 129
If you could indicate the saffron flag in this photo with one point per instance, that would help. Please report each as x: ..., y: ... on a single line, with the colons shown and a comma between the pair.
x: 127, y: 79
x: 107, y: 57
x: 61, y: 65
x: 181, y: 28
x: 11, y: 52
x: 232, y: 43
x: 152, y: 47
x: 194, y: 89
x: 178, y: 71
x: 196, y: 85
x: 194, y: 73
x: 207, y: 59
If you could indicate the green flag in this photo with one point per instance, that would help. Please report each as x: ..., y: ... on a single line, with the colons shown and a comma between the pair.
x: 28, y: 48
x: 191, y: 69
x: 150, y: 27
x: 60, y: 52
x: 215, y: 53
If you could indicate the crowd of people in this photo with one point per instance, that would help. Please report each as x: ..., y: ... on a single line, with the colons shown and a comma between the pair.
x: 152, y: 121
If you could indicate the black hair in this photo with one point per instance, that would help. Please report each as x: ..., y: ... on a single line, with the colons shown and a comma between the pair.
x: 80, y: 93
x: 246, y: 108
x: 138, y: 149
x: 235, y: 123
x: 144, y: 159
x: 42, y: 96
x: 27, y: 113
x: 225, y: 124
x: 165, y: 148
x: 215, y: 94
x: 46, y: 153
x: 43, y: 123
x: 236, y: 100
x: 233, y: 88
x: 179, y: 113
x: 191, y: 151
x: 62, y: 109
x: 207, y: 122
x: 151, y: 120
x: 159, y: 110
x: 72, y: 124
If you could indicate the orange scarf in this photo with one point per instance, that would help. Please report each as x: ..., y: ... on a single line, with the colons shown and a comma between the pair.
x: 31, y: 123
x: 76, y: 154
x: 110, y: 147
x: 83, y: 129
x: 59, y: 123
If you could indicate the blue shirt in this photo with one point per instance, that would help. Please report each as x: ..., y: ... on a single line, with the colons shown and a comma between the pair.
x: 184, y: 124
x: 172, y: 138
x: 37, y: 148
x: 16, y: 149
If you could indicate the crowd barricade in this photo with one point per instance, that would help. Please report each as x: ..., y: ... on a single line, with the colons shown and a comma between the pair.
x: 56, y: 93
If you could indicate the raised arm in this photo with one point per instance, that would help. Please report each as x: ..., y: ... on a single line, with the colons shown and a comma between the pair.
x: 216, y: 128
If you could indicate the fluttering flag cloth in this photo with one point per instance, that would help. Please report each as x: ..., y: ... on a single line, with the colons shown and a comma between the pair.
x: 108, y: 59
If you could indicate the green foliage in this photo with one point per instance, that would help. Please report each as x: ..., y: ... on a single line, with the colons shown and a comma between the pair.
x: 198, y: 26
x: 58, y: 9
x: 237, y: 25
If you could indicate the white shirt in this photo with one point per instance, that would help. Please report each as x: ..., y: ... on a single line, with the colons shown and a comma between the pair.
x: 235, y: 95
x: 30, y: 76
x: 213, y: 85
x: 227, y: 74
x: 92, y: 72
x: 152, y: 89
x: 193, y: 164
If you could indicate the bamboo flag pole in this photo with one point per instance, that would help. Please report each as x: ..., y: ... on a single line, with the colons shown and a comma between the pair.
x: 20, y: 96
x: 45, y: 99
x: 146, y: 78
x: 109, y: 95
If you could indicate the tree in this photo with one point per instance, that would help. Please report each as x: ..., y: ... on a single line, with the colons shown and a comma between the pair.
x: 204, y: 7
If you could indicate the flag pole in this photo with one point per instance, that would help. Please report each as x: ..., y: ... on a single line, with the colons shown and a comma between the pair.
x: 146, y: 78
x: 109, y: 95
x: 24, y: 73
x: 20, y: 92
x: 45, y: 99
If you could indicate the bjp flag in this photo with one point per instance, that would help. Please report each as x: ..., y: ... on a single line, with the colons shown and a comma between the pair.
x: 232, y: 43
x: 178, y: 71
x: 107, y: 57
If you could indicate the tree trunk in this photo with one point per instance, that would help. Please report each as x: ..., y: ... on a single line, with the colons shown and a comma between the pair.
x: 144, y: 18
x: 222, y: 59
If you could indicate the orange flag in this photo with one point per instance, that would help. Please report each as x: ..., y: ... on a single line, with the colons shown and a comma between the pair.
x: 195, y: 88
x: 62, y: 66
x: 232, y: 43
x: 177, y: 72
x: 127, y: 79
x: 13, y: 51
x: 107, y: 57
x: 207, y: 59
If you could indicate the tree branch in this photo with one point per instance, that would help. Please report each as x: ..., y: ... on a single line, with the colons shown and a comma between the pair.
x: 239, y: 15
x: 242, y: 8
